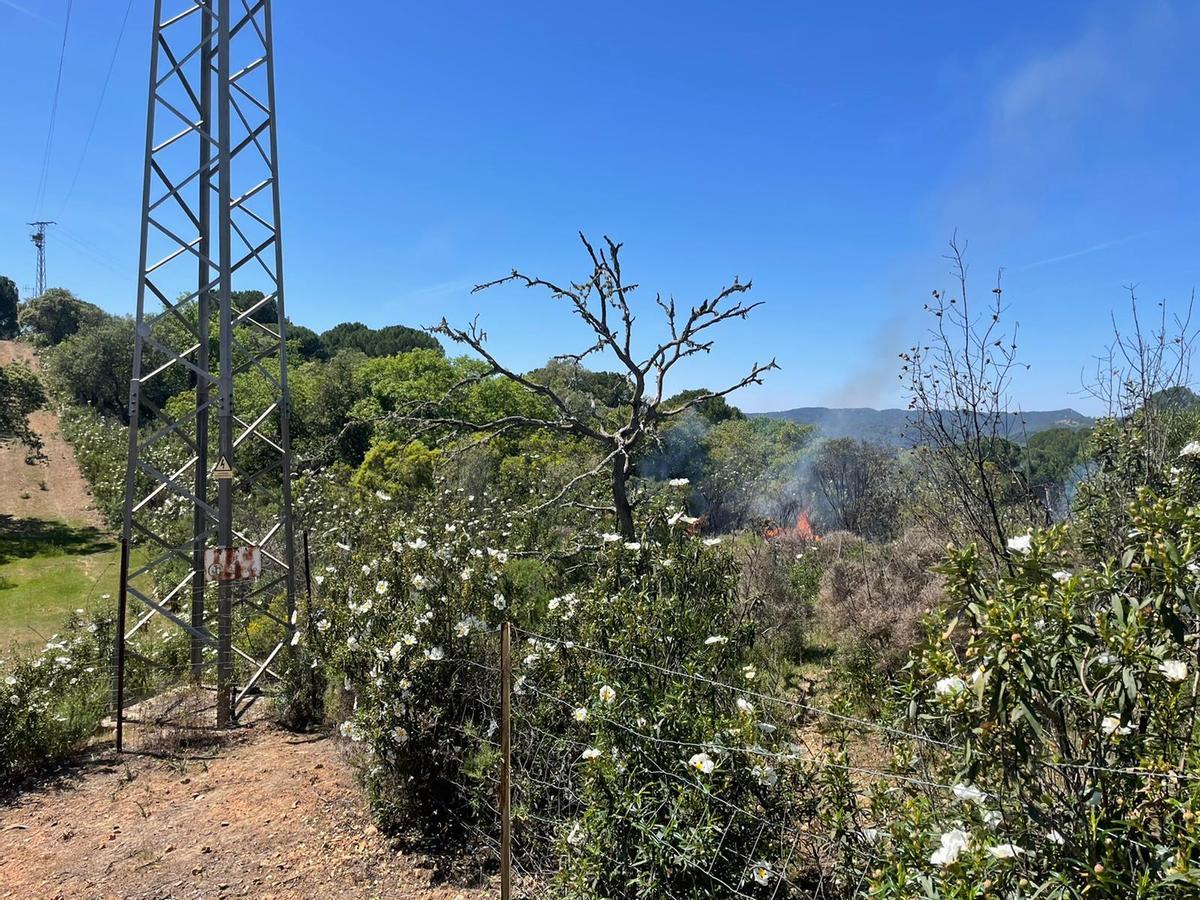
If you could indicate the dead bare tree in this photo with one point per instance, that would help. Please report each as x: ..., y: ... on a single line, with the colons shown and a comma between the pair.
x: 958, y: 386
x: 1143, y: 381
x: 1143, y: 377
x: 603, y: 301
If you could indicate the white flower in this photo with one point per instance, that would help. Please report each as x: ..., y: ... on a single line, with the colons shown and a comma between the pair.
x: 1006, y: 851
x: 463, y: 628
x: 591, y: 753
x: 679, y: 482
x: 319, y: 579
x: 953, y: 843
x: 409, y: 639
x: 1191, y: 448
x: 765, y: 775
x: 352, y: 642
x: 711, y: 542
x: 1173, y: 669
x: 745, y: 706
x: 761, y: 873
x: 499, y: 602
x: 610, y: 538
x: 949, y: 686
x: 366, y: 570
x: 435, y: 653
x: 295, y: 638
x: 580, y: 714
x: 9, y: 680
x: 633, y: 545
x: 576, y: 837
x: 702, y: 763
x: 1106, y: 659
x: 554, y: 602
x: 969, y: 792
x: 399, y: 735
x: 749, y: 673
x: 1020, y: 544
x: 681, y: 516
x: 1062, y: 575
x: 1112, y: 725
x: 992, y: 818
x: 396, y: 649
x: 323, y: 626
x: 1055, y: 837
x: 381, y: 587
x: 607, y: 694
x: 418, y: 544
x: 716, y: 639
x: 383, y: 496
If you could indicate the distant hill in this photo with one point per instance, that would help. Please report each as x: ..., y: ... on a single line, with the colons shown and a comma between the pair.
x: 887, y: 426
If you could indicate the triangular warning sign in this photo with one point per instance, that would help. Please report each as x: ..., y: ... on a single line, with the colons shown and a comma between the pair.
x: 223, y: 469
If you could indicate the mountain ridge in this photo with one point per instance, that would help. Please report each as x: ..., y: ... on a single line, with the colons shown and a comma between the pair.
x: 888, y: 426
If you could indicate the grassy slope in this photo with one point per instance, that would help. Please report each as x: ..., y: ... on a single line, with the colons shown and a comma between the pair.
x: 48, y: 569
x: 54, y: 555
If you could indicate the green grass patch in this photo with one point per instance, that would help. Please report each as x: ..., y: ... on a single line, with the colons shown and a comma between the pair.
x: 48, y: 569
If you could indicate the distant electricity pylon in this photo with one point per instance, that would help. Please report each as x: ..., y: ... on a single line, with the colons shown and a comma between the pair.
x: 210, y: 522
x: 39, y: 240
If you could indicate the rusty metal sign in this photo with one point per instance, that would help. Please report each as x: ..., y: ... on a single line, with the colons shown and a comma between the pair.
x: 232, y: 563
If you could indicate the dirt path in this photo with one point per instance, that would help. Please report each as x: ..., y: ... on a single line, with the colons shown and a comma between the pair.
x: 53, y: 488
x: 271, y: 814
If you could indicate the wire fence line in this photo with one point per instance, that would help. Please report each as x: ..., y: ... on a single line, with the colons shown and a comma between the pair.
x: 547, y: 771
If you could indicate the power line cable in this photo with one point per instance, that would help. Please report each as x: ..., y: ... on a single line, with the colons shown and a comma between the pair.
x: 99, y: 105
x: 62, y: 55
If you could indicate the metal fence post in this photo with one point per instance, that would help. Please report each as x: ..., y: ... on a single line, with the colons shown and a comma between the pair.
x: 119, y: 649
x: 505, y: 761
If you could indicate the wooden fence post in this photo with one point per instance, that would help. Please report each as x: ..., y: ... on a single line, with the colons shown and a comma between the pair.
x: 505, y: 761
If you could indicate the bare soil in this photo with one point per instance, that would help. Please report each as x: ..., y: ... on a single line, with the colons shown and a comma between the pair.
x: 267, y: 813
x: 52, y: 487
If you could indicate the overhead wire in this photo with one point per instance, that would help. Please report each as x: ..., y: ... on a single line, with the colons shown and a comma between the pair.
x: 62, y: 56
x: 87, y: 141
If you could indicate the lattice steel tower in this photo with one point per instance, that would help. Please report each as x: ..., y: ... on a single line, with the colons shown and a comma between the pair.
x: 39, y: 241
x: 210, y: 241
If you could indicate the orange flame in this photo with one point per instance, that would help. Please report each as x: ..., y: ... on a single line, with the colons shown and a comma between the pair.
x: 802, y: 531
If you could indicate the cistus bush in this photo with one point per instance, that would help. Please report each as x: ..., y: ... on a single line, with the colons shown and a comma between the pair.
x: 1063, y: 697
x: 52, y: 699
x: 685, y: 784
x: 640, y: 766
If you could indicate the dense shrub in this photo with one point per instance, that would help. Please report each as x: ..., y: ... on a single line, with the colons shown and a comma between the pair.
x: 1071, y: 707
x: 52, y: 699
x: 873, y: 598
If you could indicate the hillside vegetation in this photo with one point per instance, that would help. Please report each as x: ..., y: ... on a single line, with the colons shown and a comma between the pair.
x: 749, y: 659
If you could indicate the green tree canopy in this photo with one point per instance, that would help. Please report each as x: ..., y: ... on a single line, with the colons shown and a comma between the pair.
x: 56, y: 315
x: 9, y: 301
x: 20, y: 394
x: 387, y: 341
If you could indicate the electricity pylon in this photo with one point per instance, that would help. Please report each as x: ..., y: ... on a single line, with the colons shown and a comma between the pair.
x: 39, y: 240
x: 210, y: 222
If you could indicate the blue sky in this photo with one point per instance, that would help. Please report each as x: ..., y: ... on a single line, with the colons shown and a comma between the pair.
x: 826, y: 153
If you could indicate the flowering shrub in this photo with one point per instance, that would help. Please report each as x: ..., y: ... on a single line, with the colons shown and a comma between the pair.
x: 1071, y: 712
x: 636, y: 771
x: 406, y: 611
x: 52, y: 699
x: 674, y: 774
